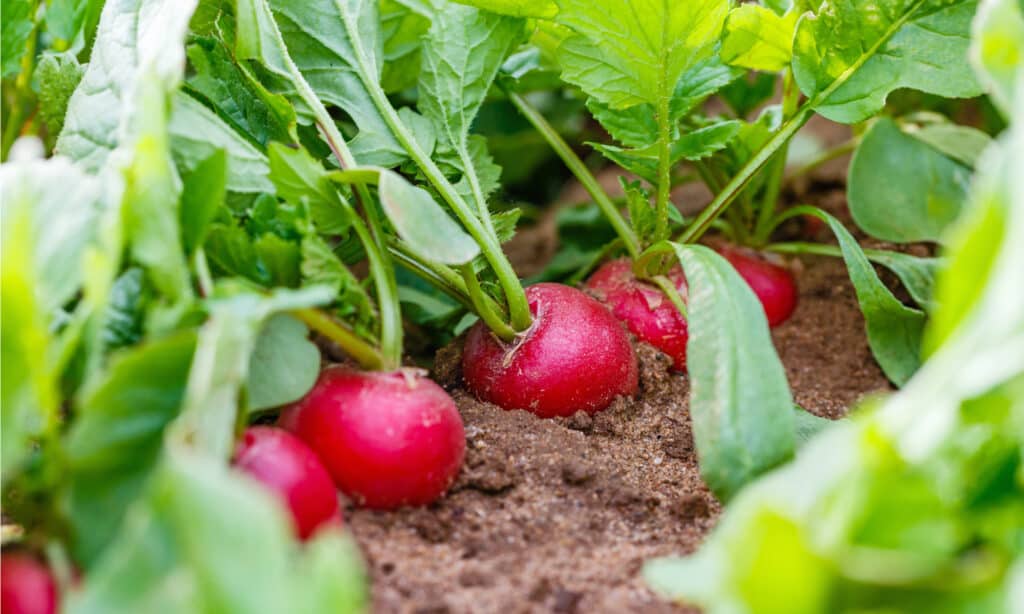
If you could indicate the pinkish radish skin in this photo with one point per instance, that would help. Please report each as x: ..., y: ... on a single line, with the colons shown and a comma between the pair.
x: 387, y: 439
x: 289, y: 468
x: 773, y: 284
x: 643, y: 307
x: 575, y: 357
x: 26, y: 585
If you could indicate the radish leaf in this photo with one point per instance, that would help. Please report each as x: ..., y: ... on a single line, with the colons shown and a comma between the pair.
x: 849, y: 56
x: 284, y: 364
x: 902, y: 190
x: 740, y: 403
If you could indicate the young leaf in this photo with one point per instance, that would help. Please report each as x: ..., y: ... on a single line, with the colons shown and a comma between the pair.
x: 58, y: 75
x: 961, y: 143
x: 624, y: 54
x: 902, y: 190
x: 117, y: 438
x: 321, y: 266
x: 421, y: 222
x: 299, y: 178
x: 403, y: 24
x: 894, y: 330
x: 134, y: 38
x: 740, y: 403
x: 758, y: 38
x: 694, y: 145
x: 197, y: 132
x: 65, y: 19
x: 17, y: 27
x: 284, y: 364
x: 849, y: 56
x: 238, y: 97
x: 202, y: 195
x: 462, y: 53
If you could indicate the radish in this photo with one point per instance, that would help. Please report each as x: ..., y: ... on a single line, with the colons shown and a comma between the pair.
x: 26, y: 585
x: 575, y: 357
x: 387, y: 438
x: 286, y: 465
x: 643, y: 307
x: 773, y: 284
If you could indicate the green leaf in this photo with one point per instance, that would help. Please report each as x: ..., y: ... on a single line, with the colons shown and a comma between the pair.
x: 740, y: 404
x: 321, y: 266
x: 916, y: 274
x: 299, y: 178
x: 58, y: 75
x: 17, y: 27
x: 237, y: 96
x: 421, y: 222
x: 28, y: 391
x: 996, y: 51
x: 201, y: 198
x: 284, y: 364
x: 540, y: 9
x: 197, y: 132
x: 758, y: 38
x: 694, y: 145
x: 62, y: 207
x: 343, y: 35
x: 117, y: 438
x: 462, y: 54
x: 150, y: 209
x: 850, y: 55
x: 894, y: 330
x: 626, y: 53
x: 902, y: 190
x: 179, y: 552
x: 961, y: 143
x: 403, y: 24
x: 124, y: 314
x: 65, y: 19
x: 134, y: 38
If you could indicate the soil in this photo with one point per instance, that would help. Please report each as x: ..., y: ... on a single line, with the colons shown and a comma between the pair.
x: 559, y: 515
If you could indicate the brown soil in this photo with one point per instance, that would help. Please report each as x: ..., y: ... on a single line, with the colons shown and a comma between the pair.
x: 559, y: 515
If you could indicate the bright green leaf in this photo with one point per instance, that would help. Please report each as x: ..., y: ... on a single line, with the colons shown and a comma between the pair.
x: 135, y: 38
x: 284, y: 364
x: 201, y: 197
x: 997, y: 51
x: 421, y: 222
x: 197, y: 132
x: 17, y: 27
x: 740, y: 404
x: 58, y: 75
x: 758, y: 38
x: 902, y: 190
x: 299, y: 178
x: 541, y: 9
x: 850, y: 55
x: 403, y: 24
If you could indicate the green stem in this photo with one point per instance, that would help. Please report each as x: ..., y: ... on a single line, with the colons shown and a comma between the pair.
x: 362, y: 352
x: 580, y: 171
x: 670, y: 290
x: 838, y: 151
x: 777, y: 167
x: 662, y: 203
x: 729, y: 193
x: 437, y: 275
x: 519, y: 309
x: 203, y: 275
x: 477, y: 295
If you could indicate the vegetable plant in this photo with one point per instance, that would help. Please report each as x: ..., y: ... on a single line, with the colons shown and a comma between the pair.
x: 219, y: 215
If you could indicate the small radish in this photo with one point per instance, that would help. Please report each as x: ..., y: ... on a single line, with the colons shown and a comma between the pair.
x: 575, y: 357
x: 286, y: 465
x: 773, y: 284
x: 26, y: 585
x: 643, y: 307
x: 387, y: 439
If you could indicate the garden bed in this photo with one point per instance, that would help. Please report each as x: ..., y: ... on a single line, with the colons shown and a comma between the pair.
x: 559, y: 515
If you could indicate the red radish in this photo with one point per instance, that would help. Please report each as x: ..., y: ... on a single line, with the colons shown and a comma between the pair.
x: 773, y: 284
x: 286, y: 465
x: 387, y: 439
x: 643, y: 307
x: 26, y: 585
x: 575, y: 357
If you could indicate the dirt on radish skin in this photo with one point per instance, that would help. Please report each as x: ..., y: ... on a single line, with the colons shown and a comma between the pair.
x: 558, y: 515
